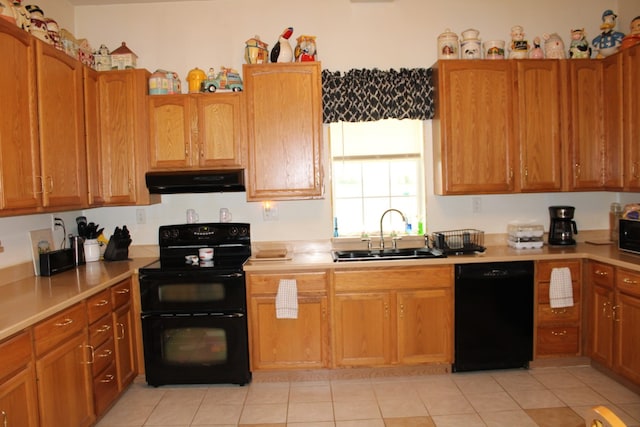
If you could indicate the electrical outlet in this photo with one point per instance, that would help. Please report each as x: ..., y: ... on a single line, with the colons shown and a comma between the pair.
x: 141, y: 216
x: 476, y: 205
x: 269, y: 212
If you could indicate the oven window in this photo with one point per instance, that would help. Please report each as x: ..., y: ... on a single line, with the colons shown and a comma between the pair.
x: 188, y: 346
x: 191, y: 292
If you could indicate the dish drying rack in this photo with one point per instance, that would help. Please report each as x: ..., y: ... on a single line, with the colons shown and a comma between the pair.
x: 459, y: 242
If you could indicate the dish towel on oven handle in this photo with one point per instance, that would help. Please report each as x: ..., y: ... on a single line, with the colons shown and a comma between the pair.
x: 287, y: 299
x: 560, y: 289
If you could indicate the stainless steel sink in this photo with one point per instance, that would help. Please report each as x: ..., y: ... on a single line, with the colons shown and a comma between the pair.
x: 386, y: 254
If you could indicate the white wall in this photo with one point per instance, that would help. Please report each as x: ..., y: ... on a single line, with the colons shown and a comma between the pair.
x: 179, y: 36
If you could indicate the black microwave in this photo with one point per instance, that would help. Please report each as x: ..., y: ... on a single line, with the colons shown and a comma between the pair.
x: 629, y: 235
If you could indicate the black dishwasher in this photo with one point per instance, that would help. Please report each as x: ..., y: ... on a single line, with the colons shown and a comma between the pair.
x: 493, y: 316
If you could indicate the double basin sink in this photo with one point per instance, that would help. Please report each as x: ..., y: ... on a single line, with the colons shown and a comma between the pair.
x: 386, y: 254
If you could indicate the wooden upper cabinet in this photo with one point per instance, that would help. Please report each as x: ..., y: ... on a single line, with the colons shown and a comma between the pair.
x: 20, y: 183
x: 613, y: 125
x: 123, y: 135
x: 61, y: 126
x: 539, y: 98
x: 284, y: 122
x: 473, y: 130
x: 196, y: 131
x: 586, y: 131
x: 92, y: 136
x: 631, y: 130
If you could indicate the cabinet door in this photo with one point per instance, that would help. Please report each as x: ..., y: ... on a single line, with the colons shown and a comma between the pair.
x: 171, y: 125
x: 473, y: 130
x: 20, y: 183
x: 284, y: 121
x: 586, y: 124
x: 123, y: 322
x: 289, y: 343
x: 92, y: 135
x: 602, y: 325
x: 537, y: 120
x: 425, y: 326
x: 61, y: 124
x: 631, y: 131
x: 18, y: 405
x: 613, y: 126
x: 220, y: 130
x: 65, y: 385
x: 363, y: 329
x: 627, y: 330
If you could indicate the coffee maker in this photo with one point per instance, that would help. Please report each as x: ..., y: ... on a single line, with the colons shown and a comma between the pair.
x: 562, y: 226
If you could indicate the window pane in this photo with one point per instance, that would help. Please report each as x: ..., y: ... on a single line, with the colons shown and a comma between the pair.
x: 347, y: 177
x: 349, y: 214
x: 375, y: 177
x: 403, y: 178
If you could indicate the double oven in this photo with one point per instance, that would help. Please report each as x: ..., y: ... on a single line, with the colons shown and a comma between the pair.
x: 194, y: 312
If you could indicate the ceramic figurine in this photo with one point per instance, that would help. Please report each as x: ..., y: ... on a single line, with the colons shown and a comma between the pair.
x: 7, y: 11
x: 23, y: 20
x: 634, y: 37
x: 536, y: 52
x: 282, y: 51
x: 519, y: 46
x: 256, y: 51
x: 85, y: 53
x: 123, y: 58
x: 448, y: 45
x: 579, y: 47
x: 195, y: 77
x: 38, y: 27
x: 609, y: 40
x: 554, y: 46
x: 305, y: 49
x: 471, y: 47
x: 102, y: 58
x: 54, y: 33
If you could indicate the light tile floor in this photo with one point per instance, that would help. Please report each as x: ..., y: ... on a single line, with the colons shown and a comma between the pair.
x: 547, y: 397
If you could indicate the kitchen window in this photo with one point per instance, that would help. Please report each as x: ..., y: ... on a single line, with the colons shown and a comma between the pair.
x: 377, y: 166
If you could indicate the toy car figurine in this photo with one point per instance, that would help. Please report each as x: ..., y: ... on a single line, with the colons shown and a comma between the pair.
x: 227, y: 78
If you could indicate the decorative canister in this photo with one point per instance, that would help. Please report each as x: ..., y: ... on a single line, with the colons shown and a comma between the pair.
x: 159, y: 83
x: 494, y: 49
x: 471, y: 46
x: 448, y: 47
x: 195, y: 78
x: 256, y: 51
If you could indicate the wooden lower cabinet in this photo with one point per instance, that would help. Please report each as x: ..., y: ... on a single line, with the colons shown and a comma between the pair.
x: 18, y: 399
x: 600, y: 318
x: 63, y: 369
x: 288, y: 343
x: 124, y: 336
x: 393, y: 316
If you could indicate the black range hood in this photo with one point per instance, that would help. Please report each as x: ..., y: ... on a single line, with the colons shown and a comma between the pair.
x: 200, y: 181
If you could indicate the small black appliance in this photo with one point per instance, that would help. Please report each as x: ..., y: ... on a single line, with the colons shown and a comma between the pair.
x: 562, y: 226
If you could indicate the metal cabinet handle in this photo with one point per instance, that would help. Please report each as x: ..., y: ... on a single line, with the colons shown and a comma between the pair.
x: 401, y: 311
x: 106, y: 353
x: 559, y: 311
x: 92, y: 352
x: 105, y: 328
x: 601, y: 273
x: 604, y: 309
x: 122, y: 291
x: 630, y: 281
x: 5, y: 420
x: 65, y: 322
x: 559, y: 334
x: 615, y: 315
x: 121, y: 330
x: 386, y: 310
x: 107, y: 378
x: 101, y: 303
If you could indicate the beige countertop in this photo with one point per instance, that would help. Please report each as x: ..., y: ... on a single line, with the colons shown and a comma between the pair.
x: 26, y: 301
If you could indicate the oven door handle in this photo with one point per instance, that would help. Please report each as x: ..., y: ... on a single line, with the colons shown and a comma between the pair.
x: 229, y: 276
x: 232, y: 315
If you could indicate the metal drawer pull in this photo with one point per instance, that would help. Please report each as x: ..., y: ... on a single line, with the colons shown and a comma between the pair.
x: 104, y: 328
x: 630, y: 281
x: 108, y: 378
x: 106, y: 353
x: 123, y: 291
x: 121, y: 330
x: 614, y: 309
x: 559, y: 311
x: 601, y: 273
x: 559, y: 334
x: 92, y: 351
x: 604, y: 309
x: 65, y: 322
x: 101, y: 303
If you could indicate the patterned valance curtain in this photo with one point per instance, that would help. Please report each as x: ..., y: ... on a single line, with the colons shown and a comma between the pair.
x: 369, y: 95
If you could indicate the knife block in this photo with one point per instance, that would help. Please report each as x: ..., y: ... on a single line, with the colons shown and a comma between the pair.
x: 117, y: 250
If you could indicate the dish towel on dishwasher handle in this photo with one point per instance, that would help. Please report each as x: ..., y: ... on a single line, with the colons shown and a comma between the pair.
x: 560, y: 289
x: 287, y: 299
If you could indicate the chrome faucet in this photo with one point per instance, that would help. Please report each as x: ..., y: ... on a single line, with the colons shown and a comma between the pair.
x: 404, y: 218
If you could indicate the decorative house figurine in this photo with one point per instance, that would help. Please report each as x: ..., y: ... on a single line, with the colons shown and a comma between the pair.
x: 536, y: 52
x: 102, y: 58
x: 609, y: 40
x: 519, y: 46
x: 554, y: 46
x: 579, y: 47
x: 23, y: 20
x: 69, y: 43
x: 158, y: 83
x: 471, y: 47
x: 123, y: 58
x: 256, y: 51
x: 448, y: 45
x: 305, y: 49
x: 282, y: 51
x: 634, y: 37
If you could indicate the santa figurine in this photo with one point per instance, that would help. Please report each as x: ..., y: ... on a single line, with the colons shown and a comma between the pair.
x: 607, y: 42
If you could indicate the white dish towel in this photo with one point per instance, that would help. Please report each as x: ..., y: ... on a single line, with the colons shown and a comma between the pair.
x: 561, y: 290
x: 287, y: 299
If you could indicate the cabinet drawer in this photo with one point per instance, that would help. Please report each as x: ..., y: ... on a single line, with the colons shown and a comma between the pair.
x: 628, y: 282
x: 306, y: 282
x: 99, y: 305
x: 558, y: 341
x: 103, y: 356
x: 121, y: 293
x: 105, y: 389
x: 400, y: 278
x: 543, y: 269
x: 543, y: 292
x: 601, y: 274
x: 15, y: 353
x: 100, y: 331
x: 51, y: 332
x: 546, y: 314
